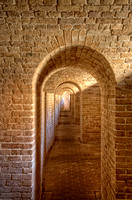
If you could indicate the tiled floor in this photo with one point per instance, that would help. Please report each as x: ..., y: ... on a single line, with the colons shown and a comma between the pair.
x: 72, y: 170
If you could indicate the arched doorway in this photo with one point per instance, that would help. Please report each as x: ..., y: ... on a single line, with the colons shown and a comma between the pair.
x: 94, y: 63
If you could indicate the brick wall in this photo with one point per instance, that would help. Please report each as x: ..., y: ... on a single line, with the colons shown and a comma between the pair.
x: 72, y: 104
x: 123, y: 141
x: 32, y: 31
x: 43, y: 137
x: 108, y: 157
x: 77, y: 103
x: 91, y: 115
x: 57, y: 108
x: 49, y: 120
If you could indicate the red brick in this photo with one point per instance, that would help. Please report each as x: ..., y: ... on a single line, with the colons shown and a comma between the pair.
x: 29, y: 31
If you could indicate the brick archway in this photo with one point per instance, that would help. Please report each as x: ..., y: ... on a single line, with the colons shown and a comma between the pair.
x: 70, y: 82
x: 77, y: 115
x: 89, y: 60
x: 68, y: 89
x: 79, y: 33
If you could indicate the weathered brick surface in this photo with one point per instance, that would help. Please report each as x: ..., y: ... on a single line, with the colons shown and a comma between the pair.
x: 91, y: 115
x: 57, y: 109
x: 49, y: 120
x: 30, y: 31
x: 77, y: 103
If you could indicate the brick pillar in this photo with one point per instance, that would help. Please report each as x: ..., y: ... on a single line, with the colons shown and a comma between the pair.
x: 77, y: 108
x: 123, y: 144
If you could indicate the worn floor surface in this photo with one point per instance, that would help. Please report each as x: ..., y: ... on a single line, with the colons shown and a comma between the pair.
x: 72, y: 170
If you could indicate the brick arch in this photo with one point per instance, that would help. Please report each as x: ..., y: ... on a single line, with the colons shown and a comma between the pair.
x: 66, y: 89
x: 68, y: 82
x: 67, y: 73
x: 71, y: 38
x: 77, y: 114
x: 80, y: 56
x: 93, y: 62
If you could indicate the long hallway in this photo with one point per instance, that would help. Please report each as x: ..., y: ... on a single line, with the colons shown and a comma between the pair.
x: 72, y: 169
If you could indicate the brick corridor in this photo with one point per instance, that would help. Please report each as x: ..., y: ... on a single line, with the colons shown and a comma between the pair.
x: 72, y: 168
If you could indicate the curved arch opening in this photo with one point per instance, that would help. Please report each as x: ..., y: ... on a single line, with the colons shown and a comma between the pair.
x: 76, y: 99
x: 66, y: 89
x: 92, y: 62
x: 68, y: 82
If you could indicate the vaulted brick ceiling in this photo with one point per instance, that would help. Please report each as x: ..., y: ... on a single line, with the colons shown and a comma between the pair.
x: 71, y: 75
